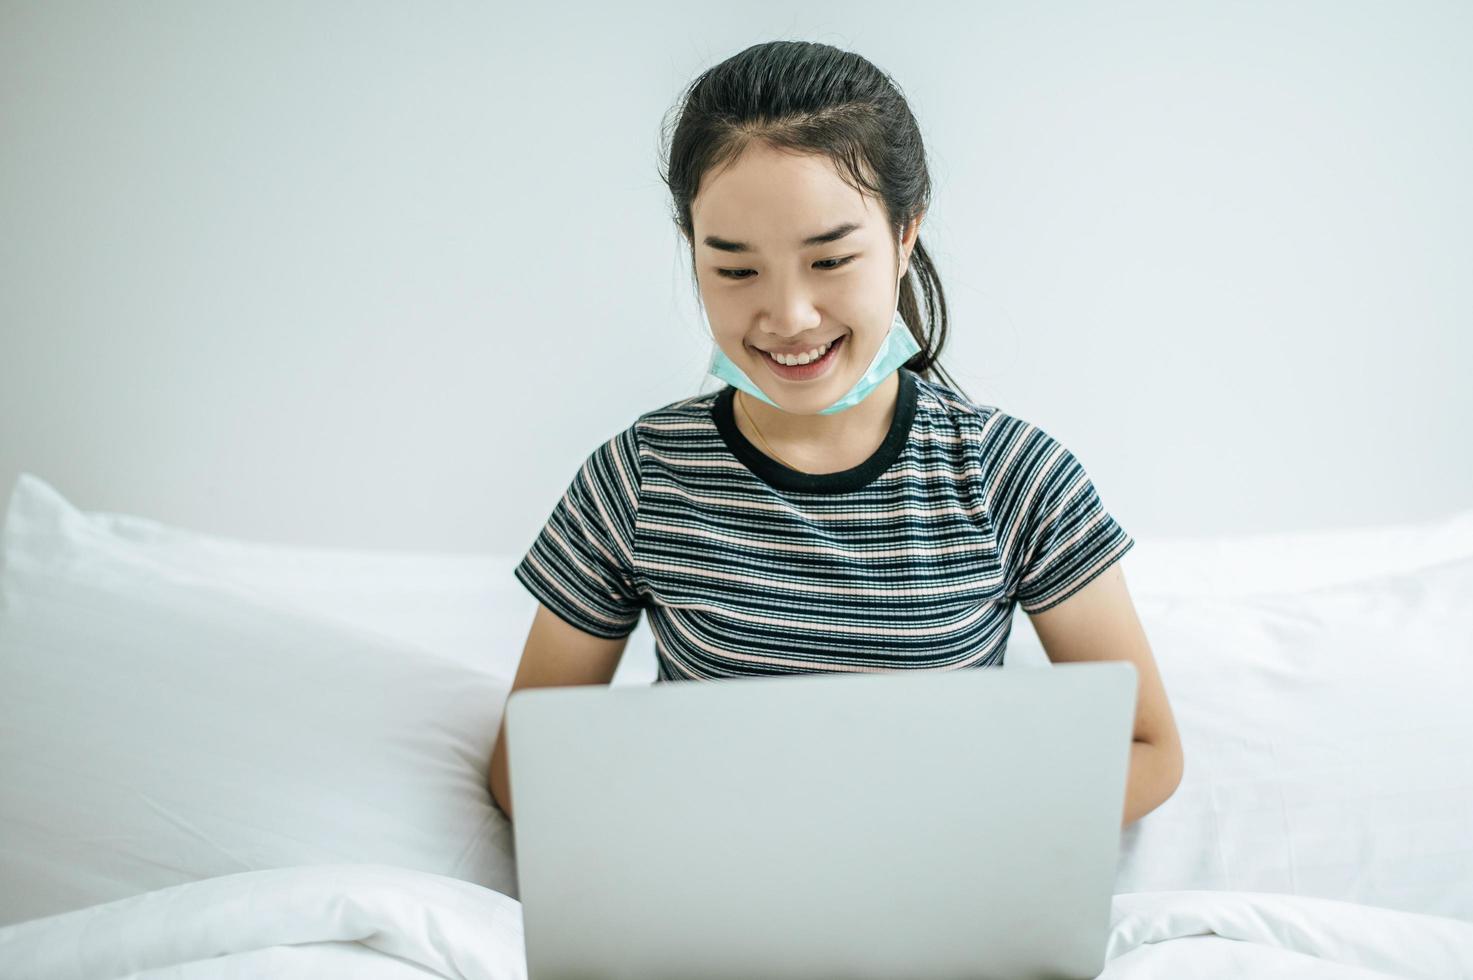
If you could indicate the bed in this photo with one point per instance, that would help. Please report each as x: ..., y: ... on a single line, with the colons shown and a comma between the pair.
x: 222, y: 758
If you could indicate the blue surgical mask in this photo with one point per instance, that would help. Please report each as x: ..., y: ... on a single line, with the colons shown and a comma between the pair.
x: 898, y: 347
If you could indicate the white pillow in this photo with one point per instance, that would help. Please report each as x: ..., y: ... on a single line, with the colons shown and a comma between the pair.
x: 1289, y: 561
x: 157, y: 728
x: 1328, y: 744
x: 466, y: 606
x: 1270, y: 563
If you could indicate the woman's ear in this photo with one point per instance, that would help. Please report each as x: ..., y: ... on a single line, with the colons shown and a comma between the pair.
x: 908, y: 242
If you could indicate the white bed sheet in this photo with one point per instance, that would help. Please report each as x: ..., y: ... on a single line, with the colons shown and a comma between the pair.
x: 379, y: 922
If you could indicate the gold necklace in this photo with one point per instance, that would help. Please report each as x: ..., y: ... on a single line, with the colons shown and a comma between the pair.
x: 760, y: 436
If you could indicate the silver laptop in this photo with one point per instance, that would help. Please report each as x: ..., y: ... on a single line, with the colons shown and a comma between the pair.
x: 919, y: 824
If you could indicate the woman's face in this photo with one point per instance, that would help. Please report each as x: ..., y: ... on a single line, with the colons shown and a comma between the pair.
x: 766, y: 288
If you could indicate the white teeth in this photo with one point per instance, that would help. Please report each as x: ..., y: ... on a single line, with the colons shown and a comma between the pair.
x: 793, y: 360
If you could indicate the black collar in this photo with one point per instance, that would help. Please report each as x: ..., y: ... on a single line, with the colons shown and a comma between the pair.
x: 775, y: 474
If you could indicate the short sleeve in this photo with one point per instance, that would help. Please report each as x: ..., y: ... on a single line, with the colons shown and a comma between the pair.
x: 1066, y: 537
x: 581, y: 565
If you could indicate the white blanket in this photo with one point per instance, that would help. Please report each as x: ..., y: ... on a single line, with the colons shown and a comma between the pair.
x: 380, y: 922
x: 1174, y: 934
x: 366, y: 921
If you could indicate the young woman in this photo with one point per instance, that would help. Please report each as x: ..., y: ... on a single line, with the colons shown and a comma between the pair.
x: 835, y: 507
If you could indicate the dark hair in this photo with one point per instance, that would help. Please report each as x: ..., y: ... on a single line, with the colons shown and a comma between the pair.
x: 815, y: 98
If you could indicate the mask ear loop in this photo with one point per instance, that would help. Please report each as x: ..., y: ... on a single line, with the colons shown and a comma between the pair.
x: 899, y: 280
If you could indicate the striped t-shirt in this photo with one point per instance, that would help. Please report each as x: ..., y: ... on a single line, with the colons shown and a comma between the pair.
x: 914, y: 558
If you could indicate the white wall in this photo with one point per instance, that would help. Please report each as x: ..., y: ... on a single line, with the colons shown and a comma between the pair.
x: 382, y: 275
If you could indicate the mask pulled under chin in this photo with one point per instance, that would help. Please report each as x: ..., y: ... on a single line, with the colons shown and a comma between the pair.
x: 898, y: 347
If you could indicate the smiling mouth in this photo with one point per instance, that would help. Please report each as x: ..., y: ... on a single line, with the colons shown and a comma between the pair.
x: 805, y: 372
x: 826, y: 347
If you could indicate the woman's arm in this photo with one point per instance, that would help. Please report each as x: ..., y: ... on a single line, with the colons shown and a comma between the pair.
x: 1155, y: 772
x: 1099, y: 622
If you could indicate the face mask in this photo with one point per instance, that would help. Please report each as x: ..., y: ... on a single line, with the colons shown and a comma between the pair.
x: 898, y: 347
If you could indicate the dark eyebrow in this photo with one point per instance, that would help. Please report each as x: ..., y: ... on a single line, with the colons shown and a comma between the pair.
x: 831, y: 235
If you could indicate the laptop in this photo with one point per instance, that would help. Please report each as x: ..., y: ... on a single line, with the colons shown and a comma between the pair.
x: 909, y: 823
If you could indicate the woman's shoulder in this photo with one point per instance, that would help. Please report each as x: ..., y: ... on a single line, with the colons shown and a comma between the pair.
x: 694, y: 408
x: 995, y: 434
x: 935, y: 399
x: 659, y: 428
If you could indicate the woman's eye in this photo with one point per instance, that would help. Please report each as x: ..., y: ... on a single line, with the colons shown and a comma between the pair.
x: 736, y: 273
